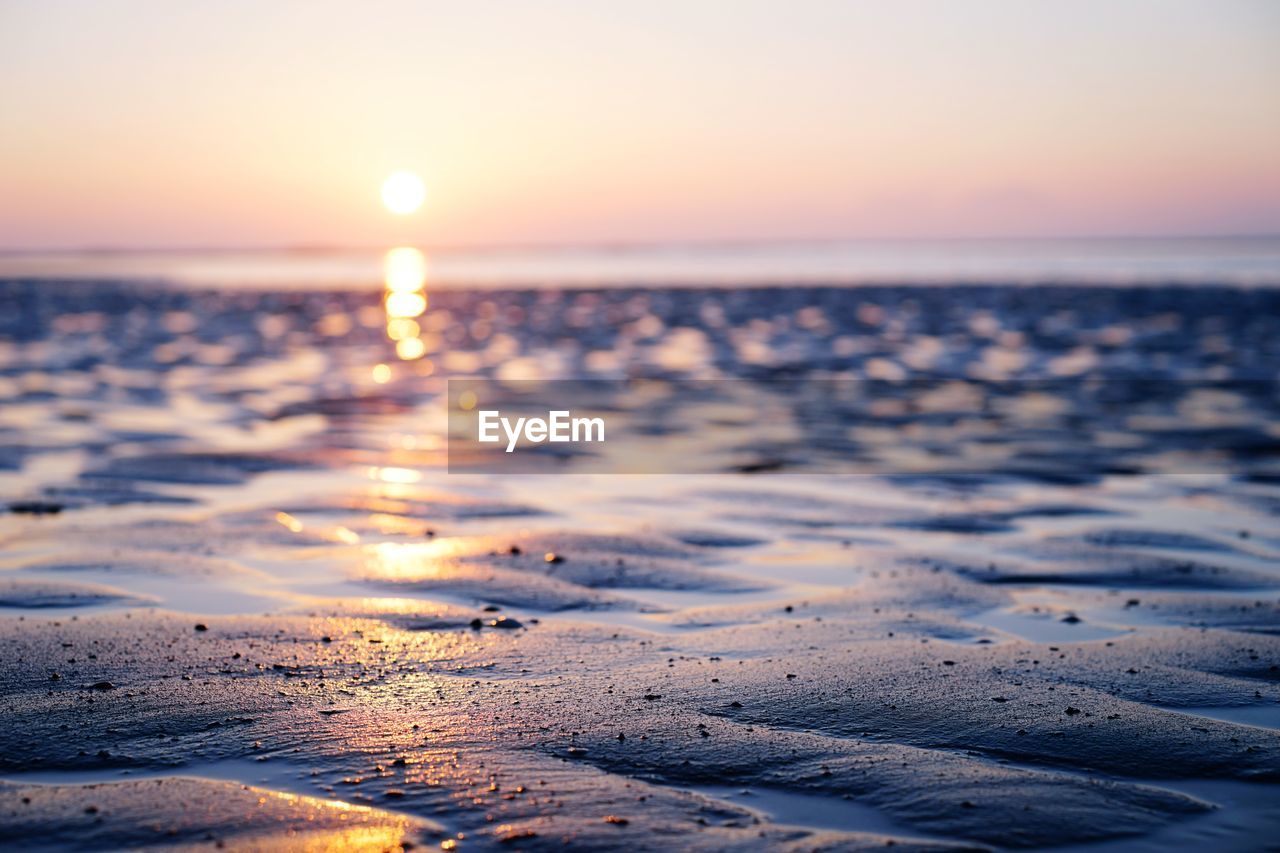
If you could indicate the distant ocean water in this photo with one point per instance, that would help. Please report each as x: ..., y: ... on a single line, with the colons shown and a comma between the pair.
x: 1239, y: 261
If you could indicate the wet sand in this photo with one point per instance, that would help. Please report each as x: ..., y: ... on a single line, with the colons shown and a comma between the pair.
x: 242, y: 600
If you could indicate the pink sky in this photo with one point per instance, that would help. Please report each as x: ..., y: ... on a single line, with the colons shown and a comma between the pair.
x: 236, y: 123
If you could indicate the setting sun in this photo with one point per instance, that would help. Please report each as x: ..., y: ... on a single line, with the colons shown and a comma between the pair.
x: 403, y: 192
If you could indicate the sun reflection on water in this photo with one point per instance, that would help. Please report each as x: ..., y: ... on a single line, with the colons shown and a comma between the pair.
x: 289, y: 522
x: 404, y: 272
x: 389, y: 474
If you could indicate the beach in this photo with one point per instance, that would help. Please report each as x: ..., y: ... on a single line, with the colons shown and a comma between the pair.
x: 954, y: 566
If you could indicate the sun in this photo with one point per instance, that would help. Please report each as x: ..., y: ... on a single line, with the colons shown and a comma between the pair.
x: 403, y: 192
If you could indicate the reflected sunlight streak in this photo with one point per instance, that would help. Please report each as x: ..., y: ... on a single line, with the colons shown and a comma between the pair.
x: 397, y: 561
x: 404, y: 271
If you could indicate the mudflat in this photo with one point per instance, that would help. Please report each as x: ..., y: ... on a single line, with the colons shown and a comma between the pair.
x: 242, y: 600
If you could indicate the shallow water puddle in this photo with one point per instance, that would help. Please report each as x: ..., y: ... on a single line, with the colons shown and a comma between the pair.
x: 1043, y: 627
x: 1263, y: 715
x: 843, y: 814
x: 1245, y: 818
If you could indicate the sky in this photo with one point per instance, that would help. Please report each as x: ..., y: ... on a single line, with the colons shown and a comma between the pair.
x: 154, y: 123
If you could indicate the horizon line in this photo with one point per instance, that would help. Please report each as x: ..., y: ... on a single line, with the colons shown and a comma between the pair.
x: 615, y: 245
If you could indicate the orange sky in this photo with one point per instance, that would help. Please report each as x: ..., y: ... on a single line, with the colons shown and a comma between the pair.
x: 239, y: 123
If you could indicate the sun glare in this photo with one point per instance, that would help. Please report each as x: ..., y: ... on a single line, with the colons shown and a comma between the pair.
x: 403, y: 192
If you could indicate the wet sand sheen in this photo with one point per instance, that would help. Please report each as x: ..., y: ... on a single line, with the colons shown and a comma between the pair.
x: 258, y: 573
